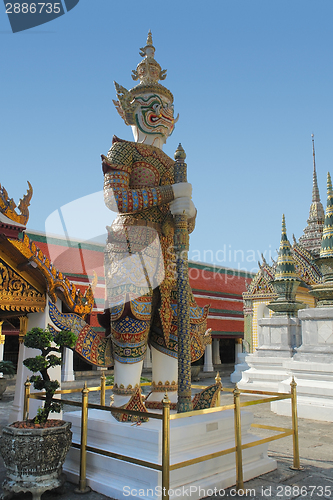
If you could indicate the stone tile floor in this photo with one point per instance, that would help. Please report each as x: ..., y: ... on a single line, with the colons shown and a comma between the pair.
x: 316, y: 453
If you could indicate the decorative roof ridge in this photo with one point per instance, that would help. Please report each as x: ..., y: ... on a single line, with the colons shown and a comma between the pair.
x: 306, y: 255
x: 306, y: 267
x: 267, y: 270
x: 9, y: 222
x: 55, y: 280
x: 8, y: 206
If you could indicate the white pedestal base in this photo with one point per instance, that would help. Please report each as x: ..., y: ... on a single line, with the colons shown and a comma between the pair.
x: 189, y: 438
x: 277, y: 338
x: 312, y: 367
x: 240, y: 367
x: 264, y: 374
x: 314, y: 391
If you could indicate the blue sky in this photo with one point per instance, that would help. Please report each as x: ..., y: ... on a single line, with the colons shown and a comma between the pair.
x: 251, y: 81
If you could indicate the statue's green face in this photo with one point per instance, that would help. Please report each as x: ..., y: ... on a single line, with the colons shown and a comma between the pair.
x: 154, y: 115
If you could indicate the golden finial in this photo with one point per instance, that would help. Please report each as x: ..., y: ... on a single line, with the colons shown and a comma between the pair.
x: 166, y: 398
x: 180, y: 153
x: 217, y: 378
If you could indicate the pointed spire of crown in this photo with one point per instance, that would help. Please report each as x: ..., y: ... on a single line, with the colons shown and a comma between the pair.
x: 148, y: 70
x: 326, y: 249
x: 149, y: 38
x: 285, y: 268
x: 149, y: 49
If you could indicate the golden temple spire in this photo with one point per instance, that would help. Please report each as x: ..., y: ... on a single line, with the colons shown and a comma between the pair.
x: 284, y: 230
x: 311, y: 239
x: 286, y: 280
x: 329, y: 184
x: 327, y: 239
x: 315, y: 190
x: 285, y: 268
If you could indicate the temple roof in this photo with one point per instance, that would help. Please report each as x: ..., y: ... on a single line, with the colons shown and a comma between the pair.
x: 300, y: 259
x: 23, y: 263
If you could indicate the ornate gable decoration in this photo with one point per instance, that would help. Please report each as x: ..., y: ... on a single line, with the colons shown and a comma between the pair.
x: 8, y: 206
x: 56, y: 281
x: 306, y: 269
x: 16, y: 294
x: 260, y: 286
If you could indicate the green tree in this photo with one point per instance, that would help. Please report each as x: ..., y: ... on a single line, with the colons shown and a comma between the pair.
x: 47, y: 343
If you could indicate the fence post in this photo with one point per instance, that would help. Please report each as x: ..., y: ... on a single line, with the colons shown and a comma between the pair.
x: 166, y: 448
x: 26, y: 399
x: 103, y: 379
x: 238, y: 440
x: 218, y: 382
x: 83, y: 488
x: 296, y: 461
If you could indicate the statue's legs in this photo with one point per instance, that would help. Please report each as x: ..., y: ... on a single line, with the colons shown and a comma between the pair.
x: 129, y: 337
x: 164, y: 376
x: 126, y: 378
x: 129, y: 340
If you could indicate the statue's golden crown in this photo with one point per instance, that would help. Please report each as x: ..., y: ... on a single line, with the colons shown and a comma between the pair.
x: 149, y: 72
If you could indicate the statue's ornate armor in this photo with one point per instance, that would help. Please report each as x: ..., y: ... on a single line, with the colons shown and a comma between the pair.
x: 140, y: 261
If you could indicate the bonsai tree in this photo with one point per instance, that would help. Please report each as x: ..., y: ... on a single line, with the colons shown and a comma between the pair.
x: 47, y: 343
x: 7, y: 368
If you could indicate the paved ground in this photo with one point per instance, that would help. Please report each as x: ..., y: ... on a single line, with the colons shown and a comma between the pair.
x: 316, y: 452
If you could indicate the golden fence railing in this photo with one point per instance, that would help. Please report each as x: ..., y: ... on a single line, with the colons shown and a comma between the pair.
x: 165, y: 467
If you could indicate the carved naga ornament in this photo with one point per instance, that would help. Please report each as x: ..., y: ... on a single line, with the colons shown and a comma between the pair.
x: 8, y: 206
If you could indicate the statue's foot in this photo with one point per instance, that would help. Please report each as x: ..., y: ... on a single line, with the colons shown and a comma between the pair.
x: 135, y: 404
x: 156, y: 396
x: 154, y: 401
